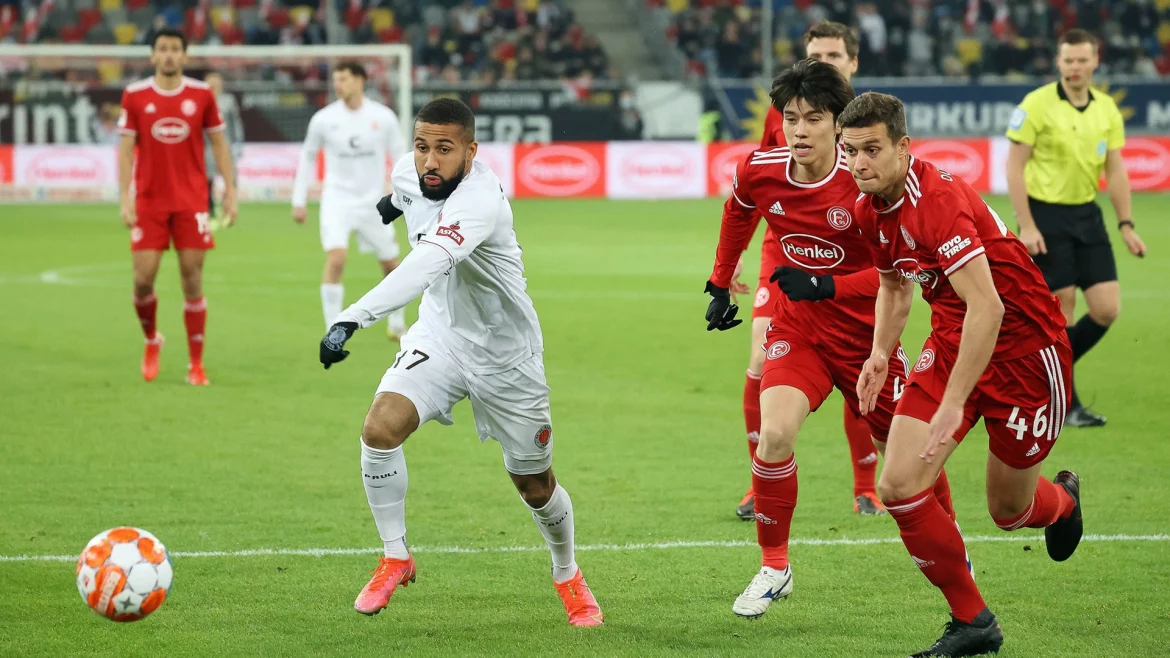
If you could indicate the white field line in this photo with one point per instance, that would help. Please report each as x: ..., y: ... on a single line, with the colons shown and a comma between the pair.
x: 648, y: 546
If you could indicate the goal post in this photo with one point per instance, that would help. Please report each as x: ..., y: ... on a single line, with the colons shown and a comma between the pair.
x: 54, y: 96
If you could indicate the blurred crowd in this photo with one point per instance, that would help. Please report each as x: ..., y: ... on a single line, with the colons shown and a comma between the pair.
x: 485, y: 41
x: 925, y: 37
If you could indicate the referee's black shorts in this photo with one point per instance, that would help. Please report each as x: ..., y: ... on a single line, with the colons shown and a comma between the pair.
x: 1079, y: 252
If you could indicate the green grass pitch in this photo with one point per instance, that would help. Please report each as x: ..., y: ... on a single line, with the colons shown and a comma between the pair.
x: 649, y: 443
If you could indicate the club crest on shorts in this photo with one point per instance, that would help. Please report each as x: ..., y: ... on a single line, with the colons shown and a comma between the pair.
x: 925, y: 361
x: 778, y: 349
x: 762, y: 296
x: 839, y: 218
x: 543, y: 437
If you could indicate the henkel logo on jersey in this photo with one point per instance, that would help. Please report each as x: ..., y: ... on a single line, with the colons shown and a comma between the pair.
x: 560, y: 170
x: 65, y: 166
x: 170, y: 130
x: 966, y: 159
x: 1148, y: 163
x: 722, y: 159
x: 812, y: 252
x: 910, y: 269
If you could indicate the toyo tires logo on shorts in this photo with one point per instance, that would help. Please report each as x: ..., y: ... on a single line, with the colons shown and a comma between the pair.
x: 559, y: 170
x: 811, y: 252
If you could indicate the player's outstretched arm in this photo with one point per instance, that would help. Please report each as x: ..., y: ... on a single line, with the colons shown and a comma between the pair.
x: 800, y: 286
x: 891, y: 311
x: 974, y: 285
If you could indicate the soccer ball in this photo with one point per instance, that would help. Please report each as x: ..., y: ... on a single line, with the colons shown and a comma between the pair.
x: 124, y: 574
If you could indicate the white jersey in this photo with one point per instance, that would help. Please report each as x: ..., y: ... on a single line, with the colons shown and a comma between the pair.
x: 356, y: 143
x: 464, y: 255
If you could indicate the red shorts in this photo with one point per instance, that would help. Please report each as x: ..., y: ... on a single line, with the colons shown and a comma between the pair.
x: 768, y: 293
x: 1022, y: 401
x: 794, y: 360
x: 155, y: 230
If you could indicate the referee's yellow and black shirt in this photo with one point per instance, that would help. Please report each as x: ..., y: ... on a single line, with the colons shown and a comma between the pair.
x: 1068, y: 143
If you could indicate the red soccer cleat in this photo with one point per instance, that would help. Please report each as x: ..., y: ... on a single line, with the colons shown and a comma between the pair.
x: 391, y: 573
x: 746, y: 510
x: 150, y: 357
x: 868, y: 504
x: 196, y: 376
x: 579, y: 602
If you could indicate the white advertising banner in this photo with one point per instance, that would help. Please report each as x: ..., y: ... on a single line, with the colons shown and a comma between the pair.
x: 656, y: 170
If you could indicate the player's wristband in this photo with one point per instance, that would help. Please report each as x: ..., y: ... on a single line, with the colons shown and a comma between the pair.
x: 1123, y: 223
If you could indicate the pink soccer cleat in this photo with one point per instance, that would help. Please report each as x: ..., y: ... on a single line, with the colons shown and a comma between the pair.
x: 150, y: 357
x: 391, y: 573
x: 579, y: 602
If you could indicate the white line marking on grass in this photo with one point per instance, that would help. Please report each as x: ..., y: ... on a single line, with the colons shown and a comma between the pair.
x: 647, y: 546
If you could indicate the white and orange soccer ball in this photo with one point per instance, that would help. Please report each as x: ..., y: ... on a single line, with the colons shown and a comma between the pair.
x: 124, y: 574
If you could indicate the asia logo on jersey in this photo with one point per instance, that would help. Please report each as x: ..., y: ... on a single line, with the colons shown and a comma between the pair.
x: 839, y: 218
x: 812, y: 252
x: 910, y: 269
x: 170, y: 130
x: 451, y: 232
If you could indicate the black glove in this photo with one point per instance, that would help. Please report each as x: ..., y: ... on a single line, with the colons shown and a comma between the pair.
x: 388, y: 210
x: 720, y: 312
x: 800, y: 286
x: 334, y: 341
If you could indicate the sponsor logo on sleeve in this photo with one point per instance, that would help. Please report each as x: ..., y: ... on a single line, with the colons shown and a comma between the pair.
x: 954, y: 246
x: 1018, y: 118
x: 451, y: 232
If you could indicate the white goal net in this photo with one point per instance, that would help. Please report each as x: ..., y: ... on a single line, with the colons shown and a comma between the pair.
x: 59, y: 106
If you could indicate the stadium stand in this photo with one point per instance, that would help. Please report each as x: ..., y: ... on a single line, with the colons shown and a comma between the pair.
x: 956, y: 38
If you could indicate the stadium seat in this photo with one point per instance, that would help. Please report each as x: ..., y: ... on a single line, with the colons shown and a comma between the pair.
x: 391, y: 34
x: 87, y: 18
x: 110, y: 71
x: 137, y: 4
x: 531, y: 5
x: 278, y: 17
x: 124, y: 33
x: 354, y: 17
x: 71, y: 33
x: 1164, y: 32
x: 110, y: 5
x: 221, y: 16
x: 678, y: 5
x: 381, y: 19
x: 1163, y: 5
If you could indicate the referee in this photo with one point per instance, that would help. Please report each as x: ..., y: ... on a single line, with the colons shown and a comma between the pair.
x: 1064, y: 135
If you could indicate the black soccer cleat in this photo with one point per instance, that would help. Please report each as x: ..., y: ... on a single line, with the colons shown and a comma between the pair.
x: 981, y: 636
x: 1084, y: 417
x: 746, y: 510
x: 1062, y: 537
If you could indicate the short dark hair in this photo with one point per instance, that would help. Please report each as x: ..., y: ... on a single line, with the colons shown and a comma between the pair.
x: 820, y: 84
x: 833, y: 30
x: 353, y: 66
x: 449, y: 112
x: 168, y: 32
x: 872, y: 108
x: 1076, y: 37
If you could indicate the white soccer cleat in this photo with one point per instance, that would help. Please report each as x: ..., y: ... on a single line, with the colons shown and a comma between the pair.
x: 767, y: 586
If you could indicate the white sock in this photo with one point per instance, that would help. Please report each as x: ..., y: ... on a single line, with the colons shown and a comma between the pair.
x: 555, y: 521
x: 332, y: 297
x: 384, y: 476
x: 397, y: 318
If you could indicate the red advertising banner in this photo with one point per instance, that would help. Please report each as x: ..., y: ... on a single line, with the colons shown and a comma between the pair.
x: 569, y: 169
x: 722, y: 159
x: 5, y: 164
x: 1147, y: 161
x: 969, y: 159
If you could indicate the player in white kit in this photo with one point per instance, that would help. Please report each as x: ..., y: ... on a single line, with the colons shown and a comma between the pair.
x: 357, y: 134
x: 477, y: 337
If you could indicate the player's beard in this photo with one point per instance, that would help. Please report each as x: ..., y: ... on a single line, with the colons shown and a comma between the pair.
x: 443, y: 189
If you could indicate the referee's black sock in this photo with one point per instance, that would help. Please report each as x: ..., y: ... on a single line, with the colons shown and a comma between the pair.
x: 1086, y: 334
x: 1071, y: 330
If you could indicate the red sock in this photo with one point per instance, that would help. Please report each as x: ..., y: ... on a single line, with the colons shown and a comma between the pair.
x: 147, y: 308
x: 751, y: 411
x: 1050, y: 503
x: 942, y: 491
x: 936, y: 546
x: 195, y: 317
x: 862, y: 452
x: 775, y: 487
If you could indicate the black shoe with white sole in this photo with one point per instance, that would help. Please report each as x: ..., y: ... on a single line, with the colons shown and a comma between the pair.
x: 1084, y: 417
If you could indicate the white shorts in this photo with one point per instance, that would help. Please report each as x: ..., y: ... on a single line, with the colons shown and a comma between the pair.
x: 373, y: 237
x: 511, y: 407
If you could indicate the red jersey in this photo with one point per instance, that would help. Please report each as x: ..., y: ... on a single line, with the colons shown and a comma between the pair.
x: 169, y: 174
x: 815, y: 232
x: 936, y: 228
